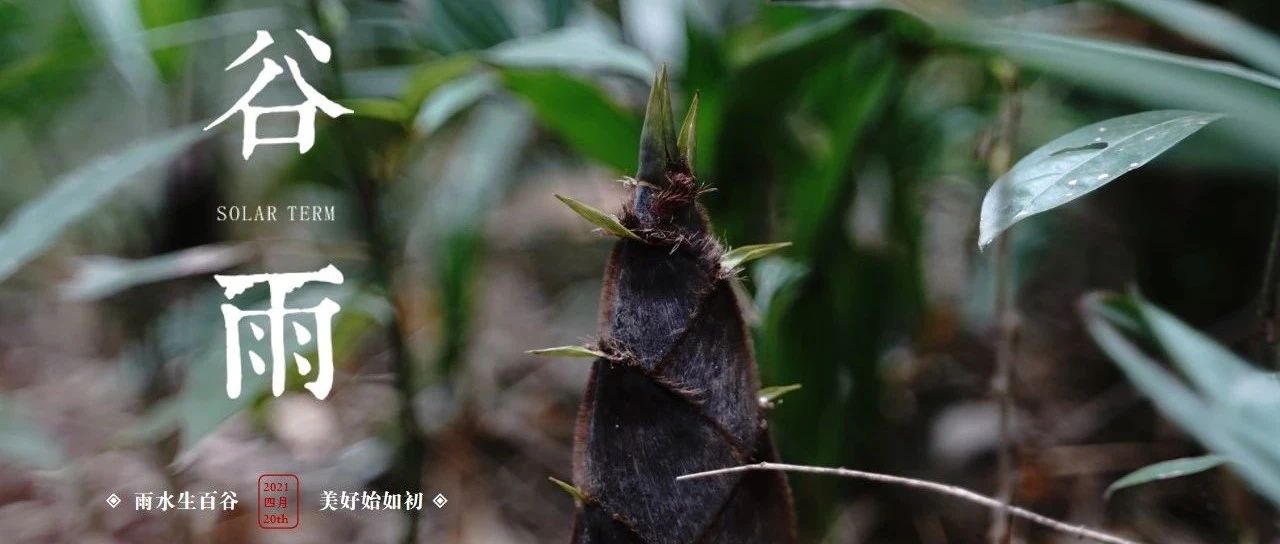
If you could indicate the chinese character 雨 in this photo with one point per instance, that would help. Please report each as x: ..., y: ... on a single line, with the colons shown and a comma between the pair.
x: 280, y: 285
x: 306, y: 111
x: 142, y: 500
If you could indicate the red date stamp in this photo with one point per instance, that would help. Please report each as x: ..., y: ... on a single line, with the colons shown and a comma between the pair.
x: 279, y: 501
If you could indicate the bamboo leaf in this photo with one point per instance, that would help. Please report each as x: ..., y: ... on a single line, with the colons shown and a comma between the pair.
x: 179, y: 28
x: 567, y: 351
x: 1229, y: 431
x: 1165, y: 470
x: 99, y: 277
x: 34, y: 227
x: 382, y: 109
x: 580, y: 112
x: 772, y: 276
x: 1150, y: 76
x: 569, y: 488
x: 458, y: 25
x: 606, y: 221
x: 576, y: 48
x: 742, y: 255
x: 494, y: 136
x: 770, y: 394
x: 1082, y: 161
x: 687, y: 143
x: 1214, y: 26
x: 119, y: 30
x: 429, y: 77
x: 451, y: 98
x: 1112, y: 58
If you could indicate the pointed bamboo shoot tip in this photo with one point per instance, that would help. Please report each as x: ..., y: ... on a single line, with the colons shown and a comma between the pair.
x: 658, y: 146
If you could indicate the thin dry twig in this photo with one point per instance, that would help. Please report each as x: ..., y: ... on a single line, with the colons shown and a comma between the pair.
x: 1006, y: 311
x: 958, y: 492
x: 1270, y: 278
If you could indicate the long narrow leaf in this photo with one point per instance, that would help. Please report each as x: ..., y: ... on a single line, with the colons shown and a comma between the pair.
x: 450, y: 99
x: 31, y: 229
x: 1249, y: 97
x: 576, y: 48
x: 1165, y: 470
x: 1213, y: 26
x: 99, y: 277
x: 1255, y: 457
x: 118, y: 27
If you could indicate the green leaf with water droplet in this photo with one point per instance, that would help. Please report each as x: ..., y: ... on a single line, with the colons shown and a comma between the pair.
x: 1164, y: 470
x: 606, y: 221
x: 775, y: 392
x: 739, y: 256
x: 567, y: 351
x: 1076, y: 163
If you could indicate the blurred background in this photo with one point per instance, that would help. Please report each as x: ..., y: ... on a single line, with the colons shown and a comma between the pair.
x: 864, y: 132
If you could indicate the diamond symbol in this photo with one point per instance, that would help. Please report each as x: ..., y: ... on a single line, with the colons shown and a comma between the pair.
x: 113, y: 500
x: 439, y: 500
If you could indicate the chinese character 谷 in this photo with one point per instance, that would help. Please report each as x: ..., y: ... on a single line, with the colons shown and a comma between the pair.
x: 278, y: 286
x: 306, y: 111
x: 229, y: 500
